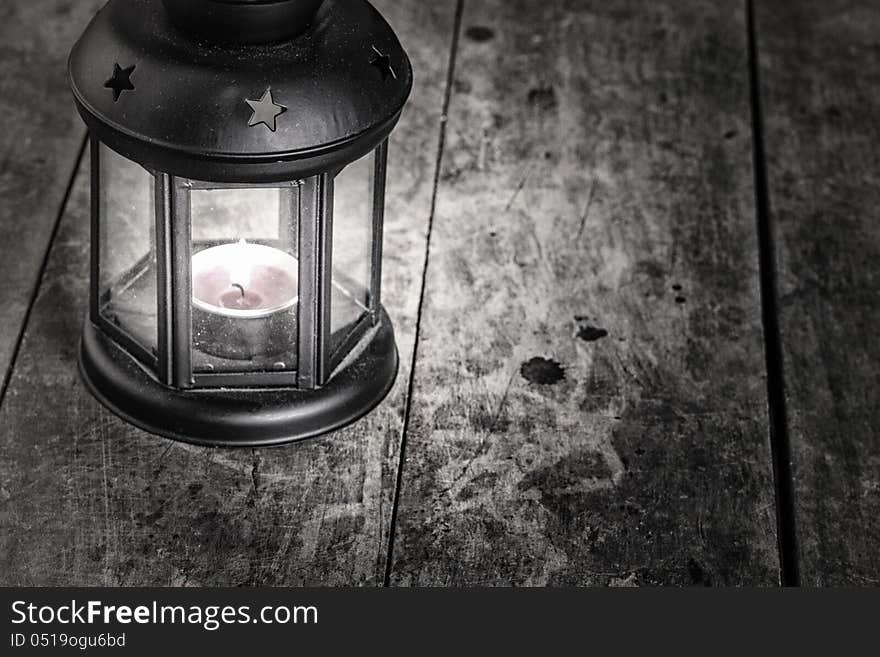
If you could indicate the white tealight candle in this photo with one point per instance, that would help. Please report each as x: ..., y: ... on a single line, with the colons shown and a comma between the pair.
x: 244, y: 280
x: 242, y: 295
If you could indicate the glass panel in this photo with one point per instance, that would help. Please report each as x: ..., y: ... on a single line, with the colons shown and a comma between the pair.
x: 352, y: 248
x: 245, y: 275
x: 221, y: 215
x: 127, y: 256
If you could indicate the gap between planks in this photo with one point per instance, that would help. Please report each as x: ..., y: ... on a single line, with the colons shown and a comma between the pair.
x: 38, y: 283
x: 780, y: 444
x: 441, y: 140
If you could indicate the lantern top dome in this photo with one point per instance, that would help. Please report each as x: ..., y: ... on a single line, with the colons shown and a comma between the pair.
x: 240, y: 90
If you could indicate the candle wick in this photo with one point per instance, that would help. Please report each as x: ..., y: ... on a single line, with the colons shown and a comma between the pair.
x: 241, y: 289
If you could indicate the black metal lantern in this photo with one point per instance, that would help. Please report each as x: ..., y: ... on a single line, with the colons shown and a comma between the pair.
x: 238, y: 151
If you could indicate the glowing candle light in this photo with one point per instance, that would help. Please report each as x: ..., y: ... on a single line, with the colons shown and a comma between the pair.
x: 241, y: 295
x: 244, y: 280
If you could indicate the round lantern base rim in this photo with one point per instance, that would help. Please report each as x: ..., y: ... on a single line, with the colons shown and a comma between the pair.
x: 241, y: 417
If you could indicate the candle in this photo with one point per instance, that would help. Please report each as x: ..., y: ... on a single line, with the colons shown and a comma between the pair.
x: 241, y: 292
x: 244, y: 280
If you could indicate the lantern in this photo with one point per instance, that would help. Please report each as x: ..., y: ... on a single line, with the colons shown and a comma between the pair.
x: 238, y: 159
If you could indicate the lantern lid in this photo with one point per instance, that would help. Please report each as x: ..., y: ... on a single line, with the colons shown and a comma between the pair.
x: 191, y: 102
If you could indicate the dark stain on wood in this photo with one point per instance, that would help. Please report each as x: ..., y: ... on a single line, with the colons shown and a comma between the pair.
x: 544, y: 98
x: 479, y: 33
x: 543, y: 371
x: 591, y: 333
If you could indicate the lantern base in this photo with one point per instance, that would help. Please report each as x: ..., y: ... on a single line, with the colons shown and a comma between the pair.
x: 238, y: 417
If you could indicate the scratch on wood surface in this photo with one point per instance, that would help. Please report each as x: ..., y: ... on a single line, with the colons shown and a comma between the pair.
x: 255, y: 472
x: 311, y: 530
x: 483, y: 155
x: 275, y: 565
x: 157, y: 464
x: 106, y: 498
x: 522, y: 183
x: 587, y: 207
x: 540, y: 249
x: 503, y: 401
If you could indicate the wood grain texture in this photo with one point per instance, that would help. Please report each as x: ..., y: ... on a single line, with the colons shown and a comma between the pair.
x: 820, y: 72
x: 38, y: 145
x: 589, y: 401
x: 88, y: 500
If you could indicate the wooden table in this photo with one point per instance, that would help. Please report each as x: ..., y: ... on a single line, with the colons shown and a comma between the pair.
x: 632, y: 257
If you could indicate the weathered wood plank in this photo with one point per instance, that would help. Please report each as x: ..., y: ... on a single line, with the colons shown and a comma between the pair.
x: 589, y: 401
x: 88, y: 500
x: 38, y: 146
x: 820, y: 71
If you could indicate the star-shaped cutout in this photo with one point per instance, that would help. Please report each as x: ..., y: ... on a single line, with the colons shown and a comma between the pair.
x: 121, y: 81
x: 383, y: 63
x: 266, y: 111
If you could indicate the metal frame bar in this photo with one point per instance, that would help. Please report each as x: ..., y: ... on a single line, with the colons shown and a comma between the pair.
x: 96, y: 237
x: 125, y: 280
x: 164, y: 269
x: 128, y: 343
x: 378, y: 208
x: 175, y: 282
x: 256, y: 379
x: 315, y: 271
x: 205, y: 185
